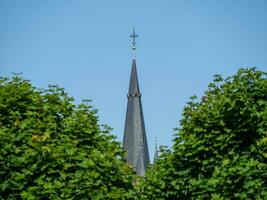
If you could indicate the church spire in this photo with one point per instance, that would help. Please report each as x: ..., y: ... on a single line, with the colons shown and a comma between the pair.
x: 134, y: 139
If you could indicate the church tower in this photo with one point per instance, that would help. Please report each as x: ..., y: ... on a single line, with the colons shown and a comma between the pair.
x: 134, y: 139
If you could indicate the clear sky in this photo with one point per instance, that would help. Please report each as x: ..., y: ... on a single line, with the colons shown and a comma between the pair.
x: 84, y: 46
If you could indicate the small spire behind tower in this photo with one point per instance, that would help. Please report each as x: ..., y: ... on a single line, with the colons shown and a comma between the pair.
x: 156, y: 154
x: 134, y: 36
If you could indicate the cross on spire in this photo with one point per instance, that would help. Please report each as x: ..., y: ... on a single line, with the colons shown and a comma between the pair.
x: 134, y: 36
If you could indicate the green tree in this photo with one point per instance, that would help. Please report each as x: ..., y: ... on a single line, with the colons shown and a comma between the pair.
x: 220, y: 151
x: 51, y: 148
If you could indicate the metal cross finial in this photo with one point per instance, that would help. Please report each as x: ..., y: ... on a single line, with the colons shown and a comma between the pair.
x: 134, y: 36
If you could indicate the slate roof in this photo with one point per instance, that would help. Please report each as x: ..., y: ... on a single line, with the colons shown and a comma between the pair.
x: 134, y: 139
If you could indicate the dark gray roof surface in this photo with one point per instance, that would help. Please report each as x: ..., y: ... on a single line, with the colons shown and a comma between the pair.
x: 134, y: 139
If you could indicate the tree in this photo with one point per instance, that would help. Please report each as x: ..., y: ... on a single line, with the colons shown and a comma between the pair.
x: 220, y: 151
x: 51, y: 148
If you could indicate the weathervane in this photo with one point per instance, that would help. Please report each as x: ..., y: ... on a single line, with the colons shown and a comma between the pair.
x: 134, y: 36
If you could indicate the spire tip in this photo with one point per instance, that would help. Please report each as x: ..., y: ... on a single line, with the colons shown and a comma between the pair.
x: 134, y: 36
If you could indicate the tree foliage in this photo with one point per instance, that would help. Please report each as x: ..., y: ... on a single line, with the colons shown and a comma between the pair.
x: 51, y: 148
x: 220, y: 151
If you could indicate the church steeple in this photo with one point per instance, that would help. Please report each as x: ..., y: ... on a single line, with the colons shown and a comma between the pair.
x: 134, y: 139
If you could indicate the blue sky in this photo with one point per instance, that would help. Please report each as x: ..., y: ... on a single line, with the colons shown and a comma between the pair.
x: 84, y: 46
